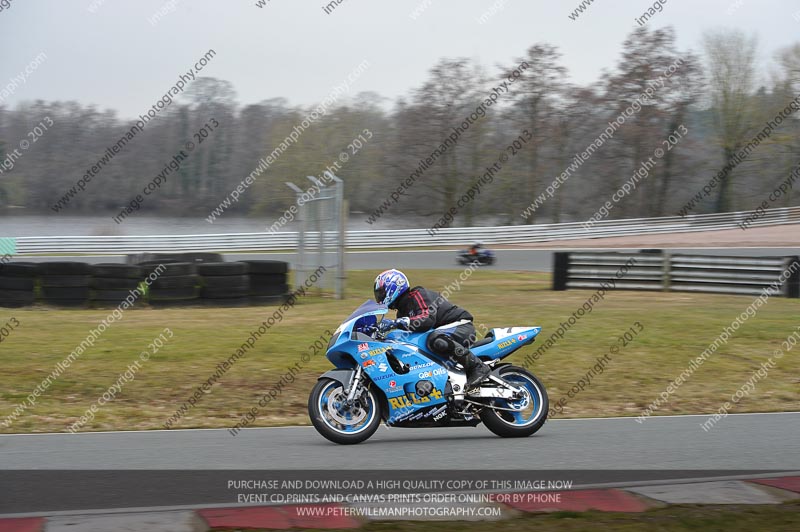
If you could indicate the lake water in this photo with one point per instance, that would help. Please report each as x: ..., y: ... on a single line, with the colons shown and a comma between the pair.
x: 17, y: 226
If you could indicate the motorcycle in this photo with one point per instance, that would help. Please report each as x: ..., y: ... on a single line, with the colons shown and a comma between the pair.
x: 481, y: 256
x: 391, y: 376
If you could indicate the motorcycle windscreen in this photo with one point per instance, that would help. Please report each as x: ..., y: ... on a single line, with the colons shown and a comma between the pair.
x: 364, y: 316
x: 368, y: 308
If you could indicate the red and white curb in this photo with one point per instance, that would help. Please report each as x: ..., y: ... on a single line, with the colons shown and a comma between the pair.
x: 494, y: 507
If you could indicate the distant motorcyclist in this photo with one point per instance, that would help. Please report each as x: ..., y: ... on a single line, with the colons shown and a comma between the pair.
x: 475, y: 248
x: 420, y: 310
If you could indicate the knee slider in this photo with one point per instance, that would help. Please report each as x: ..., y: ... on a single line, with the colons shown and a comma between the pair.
x: 459, y: 350
x: 440, y: 343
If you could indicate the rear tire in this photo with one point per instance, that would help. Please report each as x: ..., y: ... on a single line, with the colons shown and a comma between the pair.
x: 323, y: 411
x: 511, y: 425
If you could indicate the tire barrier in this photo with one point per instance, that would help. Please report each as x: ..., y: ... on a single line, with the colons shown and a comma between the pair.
x: 177, y: 283
x: 225, y: 283
x: 17, y: 281
x: 268, y: 281
x: 65, y: 284
x: 112, y: 283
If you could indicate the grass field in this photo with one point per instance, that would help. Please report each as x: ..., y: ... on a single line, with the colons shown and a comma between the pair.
x: 677, y: 328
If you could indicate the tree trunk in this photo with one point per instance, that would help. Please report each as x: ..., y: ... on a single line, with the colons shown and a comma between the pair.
x: 724, y: 195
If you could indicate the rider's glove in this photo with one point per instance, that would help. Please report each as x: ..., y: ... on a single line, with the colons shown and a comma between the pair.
x: 403, y: 323
x: 386, y: 325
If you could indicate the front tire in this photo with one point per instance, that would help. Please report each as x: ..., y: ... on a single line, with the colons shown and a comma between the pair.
x: 336, y: 422
x: 533, y: 406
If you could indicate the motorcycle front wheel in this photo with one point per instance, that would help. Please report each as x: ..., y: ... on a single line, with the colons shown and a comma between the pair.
x: 336, y: 420
x: 530, y: 411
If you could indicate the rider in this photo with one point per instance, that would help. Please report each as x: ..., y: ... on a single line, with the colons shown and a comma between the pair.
x: 420, y: 310
x: 475, y: 248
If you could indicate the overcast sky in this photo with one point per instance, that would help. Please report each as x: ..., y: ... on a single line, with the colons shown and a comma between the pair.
x: 116, y: 59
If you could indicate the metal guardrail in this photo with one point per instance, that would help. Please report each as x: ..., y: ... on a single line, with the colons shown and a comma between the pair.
x: 399, y: 237
x: 679, y: 273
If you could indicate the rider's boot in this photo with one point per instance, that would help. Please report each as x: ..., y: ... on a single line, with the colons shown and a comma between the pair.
x: 476, y: 370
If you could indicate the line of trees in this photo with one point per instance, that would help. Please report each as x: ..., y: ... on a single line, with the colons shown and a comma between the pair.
x: 721, y: 96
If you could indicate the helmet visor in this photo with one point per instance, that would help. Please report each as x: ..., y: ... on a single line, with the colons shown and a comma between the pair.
x: 380, y: 294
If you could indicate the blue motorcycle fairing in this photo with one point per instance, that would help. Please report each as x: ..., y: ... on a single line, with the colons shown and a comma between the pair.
x: 400, y: 389
x: 350, y: 345
x: 505, y: 341
x: 363, y: 317
x: 413, y: 340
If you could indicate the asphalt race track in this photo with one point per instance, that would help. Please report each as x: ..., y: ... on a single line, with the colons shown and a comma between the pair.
x: 539, y: 260
x: 614, y: 449
x: 750, y: 441
x: 48, y: 472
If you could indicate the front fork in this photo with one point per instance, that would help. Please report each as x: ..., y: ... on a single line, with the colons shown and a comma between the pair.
x: 355, y: 384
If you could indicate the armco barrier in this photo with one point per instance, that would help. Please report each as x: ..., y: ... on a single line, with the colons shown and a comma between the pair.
x: 679, y: 273
x: 396, y: 238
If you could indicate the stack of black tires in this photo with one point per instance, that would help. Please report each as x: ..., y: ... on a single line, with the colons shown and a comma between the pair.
x: 174, y: 284
x: 112, y: 283
x: 224, y: 283
x: 173, y: 280
x: 268, y: 281
x: 65, y: 284
x: 17, y: 282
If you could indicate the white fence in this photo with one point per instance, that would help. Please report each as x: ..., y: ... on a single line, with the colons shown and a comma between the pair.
x: 398, y: 237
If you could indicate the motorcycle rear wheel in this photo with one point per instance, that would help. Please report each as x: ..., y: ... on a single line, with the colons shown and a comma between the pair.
x: 518, y: 424
x: 336, y: 422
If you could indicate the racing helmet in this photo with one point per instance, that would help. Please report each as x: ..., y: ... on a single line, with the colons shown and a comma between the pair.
x: 390, y: 285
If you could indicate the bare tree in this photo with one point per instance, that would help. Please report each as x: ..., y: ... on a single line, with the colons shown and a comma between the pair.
x: 536, y: 93
x: 730, y: 58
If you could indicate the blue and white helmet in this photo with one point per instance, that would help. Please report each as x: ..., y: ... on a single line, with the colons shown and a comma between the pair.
x: 390, y: 285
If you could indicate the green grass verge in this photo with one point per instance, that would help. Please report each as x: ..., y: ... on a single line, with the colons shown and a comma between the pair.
x: 677, y: 328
